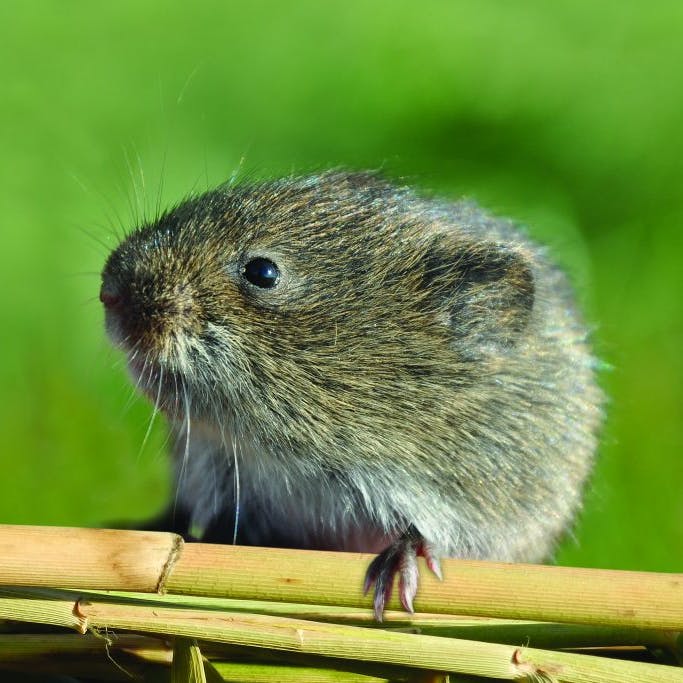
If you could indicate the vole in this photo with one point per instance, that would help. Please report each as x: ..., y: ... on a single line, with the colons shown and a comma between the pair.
x: 348, y: 365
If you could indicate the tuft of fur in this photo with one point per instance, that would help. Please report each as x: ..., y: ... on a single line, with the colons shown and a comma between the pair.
x: 419, y: 365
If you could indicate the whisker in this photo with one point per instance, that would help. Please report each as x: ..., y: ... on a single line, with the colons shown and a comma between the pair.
x: 160, y: 188
x: 236, y: 479
x: 147, y: 365
x: 234, y: 175
x: 155, y: 412
x: 136, y: 202
x: 143, y: 184
x: 111, y: 212
x: 96, y: 242
x: 186, y: 452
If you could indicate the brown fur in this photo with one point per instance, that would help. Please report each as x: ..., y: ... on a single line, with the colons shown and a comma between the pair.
x: 419, y: 363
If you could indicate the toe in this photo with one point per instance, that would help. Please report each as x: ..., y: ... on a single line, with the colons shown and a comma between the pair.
x: 381, y: 573
x: 408, y: 579
x: 432, y: 560
x: 371, y: 574
x: 383, y: 591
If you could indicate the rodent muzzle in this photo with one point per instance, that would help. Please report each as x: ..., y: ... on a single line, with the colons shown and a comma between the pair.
x: 146, y: 313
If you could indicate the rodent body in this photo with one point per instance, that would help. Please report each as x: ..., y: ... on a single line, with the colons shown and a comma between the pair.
x: 412, y: 365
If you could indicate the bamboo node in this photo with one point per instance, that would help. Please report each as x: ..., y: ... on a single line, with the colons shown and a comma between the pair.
x: 81, y: 615
x: 531, y: 671
x: 173, y: 556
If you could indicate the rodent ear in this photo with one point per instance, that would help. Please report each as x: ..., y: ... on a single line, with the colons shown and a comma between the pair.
x: 487, y: 290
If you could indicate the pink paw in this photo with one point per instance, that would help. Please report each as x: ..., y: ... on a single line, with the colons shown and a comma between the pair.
x: 399, y: 558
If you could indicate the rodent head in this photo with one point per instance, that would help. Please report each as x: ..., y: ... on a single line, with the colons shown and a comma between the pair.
x: 303, y: 307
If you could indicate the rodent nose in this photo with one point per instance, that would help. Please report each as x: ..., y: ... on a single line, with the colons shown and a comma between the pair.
x: 109, y: 297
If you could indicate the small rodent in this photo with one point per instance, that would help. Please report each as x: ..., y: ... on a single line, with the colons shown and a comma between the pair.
x: 346, y: 365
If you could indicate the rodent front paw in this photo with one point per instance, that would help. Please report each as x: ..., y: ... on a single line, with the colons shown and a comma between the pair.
x: 399, y: 558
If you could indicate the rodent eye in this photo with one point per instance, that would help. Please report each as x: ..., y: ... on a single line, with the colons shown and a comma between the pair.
x: 262, y: 272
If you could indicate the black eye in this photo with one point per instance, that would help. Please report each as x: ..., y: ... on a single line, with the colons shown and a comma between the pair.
x: 262, y: 272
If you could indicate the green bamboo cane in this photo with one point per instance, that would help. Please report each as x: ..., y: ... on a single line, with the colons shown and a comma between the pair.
x: 149, y: 562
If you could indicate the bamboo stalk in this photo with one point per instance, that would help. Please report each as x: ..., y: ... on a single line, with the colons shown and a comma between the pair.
x: 539, y: 634
x: 298, y: 636
x: 70, y: 652
x: 120, y: 658
x: 26, y: 646
x: 349, y: 642
x: 225, y: 671
x: 289, y: 666
x: 267, y: 673
x: 85, y: 558
x: 40, y: 606
x: 63, y: 608
x: 230, y: 672
x: 152, y: 561
x: 514, y: 591
x: 187, y: 666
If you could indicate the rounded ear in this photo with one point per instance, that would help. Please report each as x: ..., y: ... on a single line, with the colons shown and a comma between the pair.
x: 486, y: 290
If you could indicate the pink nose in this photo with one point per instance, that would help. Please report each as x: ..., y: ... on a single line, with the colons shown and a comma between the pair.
x: 109, y: 298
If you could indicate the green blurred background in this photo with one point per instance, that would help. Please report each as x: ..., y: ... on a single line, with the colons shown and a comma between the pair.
x: 565, y: 115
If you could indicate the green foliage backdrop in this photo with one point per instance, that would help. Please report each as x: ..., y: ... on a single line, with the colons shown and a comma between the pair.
x: 566, y: 115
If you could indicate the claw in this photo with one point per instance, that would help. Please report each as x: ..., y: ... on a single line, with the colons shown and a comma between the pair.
x: 399, y: 558
x: 381, y: 573
x: 426, y: 550
x: 408, y: 576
